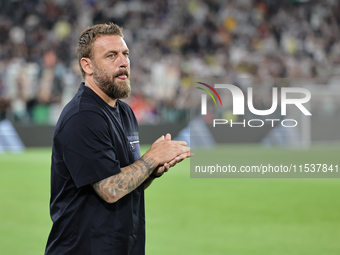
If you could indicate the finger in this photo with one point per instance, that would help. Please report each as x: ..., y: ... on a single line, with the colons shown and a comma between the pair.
x: 168, y: 137
x: 174, y: 163
x: 160, y: 139
x: 181, y: 153
x: 182, y: 143
x: 178, y: 159
x: 160, y: 170
x: 185, y: 150
x: 166, y: 167
x: 171, y: 163
x: 186, y: 155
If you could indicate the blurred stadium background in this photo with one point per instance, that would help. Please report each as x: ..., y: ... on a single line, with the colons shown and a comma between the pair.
x: 170, y: 42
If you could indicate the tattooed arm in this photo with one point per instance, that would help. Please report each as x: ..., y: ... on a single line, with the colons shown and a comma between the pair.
x: 115, y: 187
x: 162, y: 151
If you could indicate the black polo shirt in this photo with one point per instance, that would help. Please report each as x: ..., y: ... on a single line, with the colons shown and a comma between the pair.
x: 93, y: 141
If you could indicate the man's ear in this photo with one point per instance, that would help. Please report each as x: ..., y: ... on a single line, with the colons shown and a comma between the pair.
x: 86, y: 64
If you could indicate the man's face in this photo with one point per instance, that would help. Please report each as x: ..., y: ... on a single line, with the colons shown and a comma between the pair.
x: 111, y: 66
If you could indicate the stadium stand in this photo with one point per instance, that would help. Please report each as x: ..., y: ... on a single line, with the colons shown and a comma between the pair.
x: 170, y: 41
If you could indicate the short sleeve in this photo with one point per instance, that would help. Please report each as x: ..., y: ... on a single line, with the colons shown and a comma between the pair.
x: 87, y: 149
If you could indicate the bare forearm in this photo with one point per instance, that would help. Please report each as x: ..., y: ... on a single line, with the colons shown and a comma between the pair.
x: 162, y: 151
x: 115, y: 187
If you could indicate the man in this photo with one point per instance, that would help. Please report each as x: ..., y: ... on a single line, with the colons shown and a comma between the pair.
x: 97, y: 175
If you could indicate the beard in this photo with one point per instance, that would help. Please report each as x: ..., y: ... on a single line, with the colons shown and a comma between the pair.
x: 111, y: 87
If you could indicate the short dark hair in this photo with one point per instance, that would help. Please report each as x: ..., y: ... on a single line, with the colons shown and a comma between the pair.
x: 89, y: 35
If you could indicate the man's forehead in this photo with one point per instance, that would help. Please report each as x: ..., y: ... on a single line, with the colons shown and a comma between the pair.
x: 109, y: 42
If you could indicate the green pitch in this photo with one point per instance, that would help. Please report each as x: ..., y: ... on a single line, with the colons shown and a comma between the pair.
x: 192, y: 216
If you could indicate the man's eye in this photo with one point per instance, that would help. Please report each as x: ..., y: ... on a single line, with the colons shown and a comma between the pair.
x: 126, y: 54
x: 111, y: 56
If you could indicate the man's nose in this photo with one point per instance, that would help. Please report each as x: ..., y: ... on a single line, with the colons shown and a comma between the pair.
x: 123, y: 61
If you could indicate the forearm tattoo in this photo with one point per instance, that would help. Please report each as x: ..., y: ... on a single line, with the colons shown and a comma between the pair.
x: 130, y: 178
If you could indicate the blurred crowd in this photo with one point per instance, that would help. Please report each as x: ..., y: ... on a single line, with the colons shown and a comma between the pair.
x: 170, y: 41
